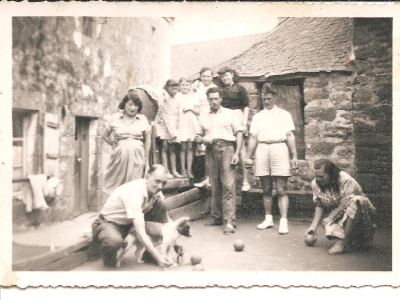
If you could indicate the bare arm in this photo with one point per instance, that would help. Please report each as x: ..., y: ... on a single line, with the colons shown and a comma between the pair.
x: 245, y: 118
x: 291, y: 142
x: 145, y: 240
x: 147, y: 144
x: 195, y: 110
x: 317, y: 218
x: 239, y: 142
x: 253, y: 141
x: 105, y: 135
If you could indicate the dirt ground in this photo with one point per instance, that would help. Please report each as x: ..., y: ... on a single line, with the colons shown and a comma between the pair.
x: 266, y: 250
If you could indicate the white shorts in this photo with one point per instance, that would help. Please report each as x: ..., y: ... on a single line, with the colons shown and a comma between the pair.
x: 272, y: 160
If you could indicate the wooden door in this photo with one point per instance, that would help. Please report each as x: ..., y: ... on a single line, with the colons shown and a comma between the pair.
x: 81, y: 165
x: 290, y: 98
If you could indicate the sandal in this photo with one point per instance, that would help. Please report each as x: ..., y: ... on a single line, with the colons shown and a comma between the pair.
x: 338, y: 248
x: 189, y: 174
x: 177, y: 175
x: 184, y: 174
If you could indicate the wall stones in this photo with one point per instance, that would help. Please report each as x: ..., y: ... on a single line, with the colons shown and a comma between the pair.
x: 60, y: 61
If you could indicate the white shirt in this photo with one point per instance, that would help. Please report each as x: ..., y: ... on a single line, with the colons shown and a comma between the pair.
x: 129, y: 201
x: 271, y: 124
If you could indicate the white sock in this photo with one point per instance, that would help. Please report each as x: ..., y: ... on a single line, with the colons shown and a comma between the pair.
x: 268, y: 218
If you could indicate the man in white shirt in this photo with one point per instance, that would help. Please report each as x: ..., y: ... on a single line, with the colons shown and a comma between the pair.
x: 131, y: 204
x: 272, y: 135
x: 220, y: 130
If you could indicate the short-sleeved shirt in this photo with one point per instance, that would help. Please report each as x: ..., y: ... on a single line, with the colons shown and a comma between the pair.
x: 219, y: 125
x: 348, y: 187
x: 136, y: 129
x: 271, y: 124
x: 129, y: 201
x: 234, y: 97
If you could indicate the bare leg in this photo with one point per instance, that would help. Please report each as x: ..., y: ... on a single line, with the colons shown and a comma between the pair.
x: 266, y: 184
x: 283, y: 199
x: 183, y: 157
x: 244, y: 169
x: 172, y: 157
x: 341, y: 244
x: 164, y: 154
x: 189, y: 158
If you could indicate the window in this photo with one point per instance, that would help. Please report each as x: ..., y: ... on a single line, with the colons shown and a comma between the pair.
x: 25, y: 156
x: 18, y: 120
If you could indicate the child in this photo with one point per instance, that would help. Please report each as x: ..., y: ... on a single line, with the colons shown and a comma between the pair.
x: 206, y: 77
x: 188, y: 112
x: 166, y: 124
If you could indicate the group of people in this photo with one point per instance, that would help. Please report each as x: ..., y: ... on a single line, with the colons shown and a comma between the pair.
x: 211, y: 121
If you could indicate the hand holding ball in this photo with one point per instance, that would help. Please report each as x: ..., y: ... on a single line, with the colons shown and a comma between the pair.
x: 310, y: 239
x: 238, y: 245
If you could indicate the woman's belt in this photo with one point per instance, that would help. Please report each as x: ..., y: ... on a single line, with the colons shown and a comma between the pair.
x: 272, y: 142
x: 128, y: 138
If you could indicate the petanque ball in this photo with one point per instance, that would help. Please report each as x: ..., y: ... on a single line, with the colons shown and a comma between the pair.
x: 238, y: 245
x: 195, y: 259
x: 198, y: 267
x: 310, y: 239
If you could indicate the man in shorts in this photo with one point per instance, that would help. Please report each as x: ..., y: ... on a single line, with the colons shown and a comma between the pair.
x: 272, y: 134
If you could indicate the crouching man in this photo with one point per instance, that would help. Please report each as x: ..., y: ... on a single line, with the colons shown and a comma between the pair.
x: 131, y: 204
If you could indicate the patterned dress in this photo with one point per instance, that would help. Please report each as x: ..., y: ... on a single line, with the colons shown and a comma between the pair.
x: 128, y: 157
x: 166, y: 121
x: 329, y: 201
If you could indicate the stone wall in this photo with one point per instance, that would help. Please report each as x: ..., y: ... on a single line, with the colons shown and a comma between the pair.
x: 85, y: 65
x: 348, y: 116
x: 372, y: 104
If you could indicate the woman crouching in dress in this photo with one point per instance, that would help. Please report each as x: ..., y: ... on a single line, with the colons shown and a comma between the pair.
x: 349, y: 211
x: 130, y: 143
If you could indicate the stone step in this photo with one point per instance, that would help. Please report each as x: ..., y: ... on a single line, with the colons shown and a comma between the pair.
x: 191, y: 203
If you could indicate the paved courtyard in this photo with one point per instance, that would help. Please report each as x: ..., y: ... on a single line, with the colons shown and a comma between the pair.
x: 266, y: 250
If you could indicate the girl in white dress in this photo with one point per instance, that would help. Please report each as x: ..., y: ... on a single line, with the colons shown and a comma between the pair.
x: 189, y: 109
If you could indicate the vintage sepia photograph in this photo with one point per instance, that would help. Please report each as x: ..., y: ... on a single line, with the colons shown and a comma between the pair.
x: 202, y: 140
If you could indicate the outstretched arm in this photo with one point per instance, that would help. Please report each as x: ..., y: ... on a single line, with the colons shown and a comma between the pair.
x: 145, y: 240
x: 317, y: 218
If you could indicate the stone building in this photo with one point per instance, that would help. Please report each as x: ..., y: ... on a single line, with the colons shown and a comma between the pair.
x: 69, y: 74
x: 335, y: 77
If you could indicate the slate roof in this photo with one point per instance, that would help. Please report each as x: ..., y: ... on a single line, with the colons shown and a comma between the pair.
x: 298, y: 45
x: 188, y: 59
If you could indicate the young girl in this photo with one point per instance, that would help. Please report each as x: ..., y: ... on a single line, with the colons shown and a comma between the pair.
x: 187, y: 124
x: 206, y: 77
x: 166, y: 124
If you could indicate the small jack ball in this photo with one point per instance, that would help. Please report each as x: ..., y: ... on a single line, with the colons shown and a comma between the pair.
x: 310, y: 239
x: 195, y: 259
x: 198, y: 267
x: 238, y: 245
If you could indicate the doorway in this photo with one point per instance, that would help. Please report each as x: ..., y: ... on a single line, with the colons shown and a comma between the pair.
x: 81, y: 165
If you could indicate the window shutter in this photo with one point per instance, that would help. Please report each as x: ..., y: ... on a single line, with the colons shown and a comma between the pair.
x: 51, y: 144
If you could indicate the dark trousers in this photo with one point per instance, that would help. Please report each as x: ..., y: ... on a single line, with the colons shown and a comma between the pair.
x: 112, y: 236
x: 223, y: 181
x: 199, y: 167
